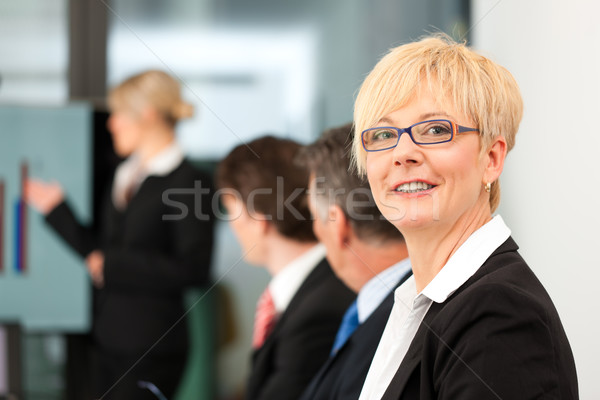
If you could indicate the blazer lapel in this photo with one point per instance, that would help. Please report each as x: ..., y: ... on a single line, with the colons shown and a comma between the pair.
x: 413, y: 356
x: 315, y: 275
x: 330, y: 361
x: 315, y: 382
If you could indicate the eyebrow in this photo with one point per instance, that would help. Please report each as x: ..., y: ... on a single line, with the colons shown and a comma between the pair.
x: 422, y: 117
x: 435, y: 114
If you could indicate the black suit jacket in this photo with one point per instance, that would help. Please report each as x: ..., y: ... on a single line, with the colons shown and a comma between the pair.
x: 301, y: 339
x: 343, y: 375
x: 152, y: 252
x: 497, y: 337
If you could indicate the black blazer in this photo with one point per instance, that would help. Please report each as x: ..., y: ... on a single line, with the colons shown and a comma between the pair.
x: 151, y: 254
x: 301, y: 339
x: 343, y: 375
x: 497, y: 337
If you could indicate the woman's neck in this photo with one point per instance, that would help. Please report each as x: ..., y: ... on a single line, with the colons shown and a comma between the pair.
x: 431, y: 248
x: 157, y: 140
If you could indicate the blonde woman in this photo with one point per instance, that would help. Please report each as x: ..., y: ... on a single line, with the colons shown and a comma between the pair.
x: 434, y: 122
x: 155, y: 238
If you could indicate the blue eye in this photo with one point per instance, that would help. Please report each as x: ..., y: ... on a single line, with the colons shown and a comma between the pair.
x: 383, y: 134
x: 439, y: 130
x: 433, y: 129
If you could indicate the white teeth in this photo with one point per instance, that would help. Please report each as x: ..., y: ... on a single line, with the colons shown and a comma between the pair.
x: 413, y: 187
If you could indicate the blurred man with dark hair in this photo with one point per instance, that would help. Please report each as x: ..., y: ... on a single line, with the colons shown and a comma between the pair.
x: 366, y: 252
x: 298, y: 314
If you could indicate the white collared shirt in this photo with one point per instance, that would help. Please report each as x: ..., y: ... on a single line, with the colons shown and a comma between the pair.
x: 131, y: 173
x: 372, y: 294
x: 410, y: 307
x: 286, y: 283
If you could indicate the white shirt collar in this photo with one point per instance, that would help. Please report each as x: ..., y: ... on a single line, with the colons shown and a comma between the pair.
x: 166, y: 161
x: 467, y: 259
x: 130, y: 173
x: 377, y: 288
x: 286, y: 283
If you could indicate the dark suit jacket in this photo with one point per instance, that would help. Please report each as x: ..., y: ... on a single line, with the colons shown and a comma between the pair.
x: 149, y: 260
x: 497, y: 337
x: 301, y: 339
x: 343, y: 375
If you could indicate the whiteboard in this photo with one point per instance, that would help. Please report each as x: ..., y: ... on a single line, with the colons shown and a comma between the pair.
x: 52, y: 293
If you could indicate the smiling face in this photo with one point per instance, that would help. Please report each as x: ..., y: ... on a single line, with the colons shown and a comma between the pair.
x: 416, y: 186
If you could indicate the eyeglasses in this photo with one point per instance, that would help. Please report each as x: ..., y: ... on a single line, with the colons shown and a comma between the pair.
x: 424, y: 133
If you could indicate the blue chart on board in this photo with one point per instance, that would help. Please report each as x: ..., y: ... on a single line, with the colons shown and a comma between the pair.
x: 17, y: 238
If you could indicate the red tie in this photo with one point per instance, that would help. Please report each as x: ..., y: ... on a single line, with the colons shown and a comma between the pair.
x: 264, y: 320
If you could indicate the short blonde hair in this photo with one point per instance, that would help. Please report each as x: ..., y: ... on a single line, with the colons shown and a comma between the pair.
x: 478, y: 87
x: 151, y: 88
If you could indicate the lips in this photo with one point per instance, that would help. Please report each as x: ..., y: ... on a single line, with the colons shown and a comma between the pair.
x: 414, y: 187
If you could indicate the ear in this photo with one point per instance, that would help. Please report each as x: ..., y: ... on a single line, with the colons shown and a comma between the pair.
x: 340, y: 226
x: 493, y: 161
x: 149, y: 113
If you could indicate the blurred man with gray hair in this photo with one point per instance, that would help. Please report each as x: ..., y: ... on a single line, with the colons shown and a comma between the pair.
x: 365, y: 251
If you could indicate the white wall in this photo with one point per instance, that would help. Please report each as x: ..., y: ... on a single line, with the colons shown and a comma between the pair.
x: 551, y: 179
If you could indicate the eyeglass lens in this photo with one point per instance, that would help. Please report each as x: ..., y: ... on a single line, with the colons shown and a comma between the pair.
x: 426, y: 132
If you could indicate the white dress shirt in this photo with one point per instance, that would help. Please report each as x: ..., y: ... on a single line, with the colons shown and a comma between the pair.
x: 131, y: 173
x: 286, y: 283
x: 410, y: 307
x: 372, y: 294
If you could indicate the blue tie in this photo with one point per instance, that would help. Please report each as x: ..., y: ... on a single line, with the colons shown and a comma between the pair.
x: 347, y: 327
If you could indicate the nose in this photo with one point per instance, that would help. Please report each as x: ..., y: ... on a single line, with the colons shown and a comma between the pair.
x: 407, y: 152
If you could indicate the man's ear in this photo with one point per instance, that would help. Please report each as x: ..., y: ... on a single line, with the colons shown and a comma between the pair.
x: 494, y: 160
x: 340, y: 225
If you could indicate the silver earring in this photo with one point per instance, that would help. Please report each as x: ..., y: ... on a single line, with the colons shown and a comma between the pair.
x: 488, y: 187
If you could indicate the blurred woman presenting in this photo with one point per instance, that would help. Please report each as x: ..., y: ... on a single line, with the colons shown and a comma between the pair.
x: 154, y: 239
x: 434, y: 122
